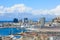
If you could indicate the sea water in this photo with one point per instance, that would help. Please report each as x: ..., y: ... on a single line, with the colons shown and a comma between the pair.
x: 9, y: 31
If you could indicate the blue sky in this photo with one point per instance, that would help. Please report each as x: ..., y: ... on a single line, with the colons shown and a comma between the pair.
x: 33, y: 9
x: 36, y: 4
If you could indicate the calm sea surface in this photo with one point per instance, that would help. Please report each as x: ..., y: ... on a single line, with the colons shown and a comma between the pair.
x: 9, y: 31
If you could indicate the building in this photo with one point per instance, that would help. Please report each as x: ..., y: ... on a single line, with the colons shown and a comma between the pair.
x: 57, y: 19
x: 25, y: 20
x: 15, y: 20
x: 48, y: 24
x: 20, y: 21
x: 0, y: 38
x: 42, y: 22
x: 30, y: 22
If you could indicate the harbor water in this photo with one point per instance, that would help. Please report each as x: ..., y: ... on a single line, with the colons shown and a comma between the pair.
x: 10, y: 31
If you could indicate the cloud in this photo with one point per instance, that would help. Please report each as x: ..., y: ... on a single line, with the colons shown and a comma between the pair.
x: 21, y: 8
x: 17, y: 8
x: 1, y: 9
x: 38, y: 12
x: 55, y: 11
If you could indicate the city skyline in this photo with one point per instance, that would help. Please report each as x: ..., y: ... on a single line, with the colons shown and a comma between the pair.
x: 33, y: 9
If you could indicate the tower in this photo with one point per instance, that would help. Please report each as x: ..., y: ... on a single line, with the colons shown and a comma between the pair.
x: 42, y: 21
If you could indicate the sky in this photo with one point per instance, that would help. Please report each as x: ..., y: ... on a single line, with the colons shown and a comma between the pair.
x: 32, y: 9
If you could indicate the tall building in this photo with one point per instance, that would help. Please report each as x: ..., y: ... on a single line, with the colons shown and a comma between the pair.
x: 25, y: 20
x: 20, y: 21
x: 42, y: 22
x: 15, y: 20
